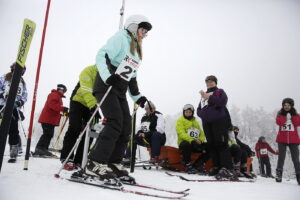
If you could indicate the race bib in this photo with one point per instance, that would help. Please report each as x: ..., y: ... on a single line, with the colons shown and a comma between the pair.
x: 193, y: 133
x: 263, y: 151
x: 288, y: 126
x: 145, y: 127
x: 7, y: 87
x: 127, y: 68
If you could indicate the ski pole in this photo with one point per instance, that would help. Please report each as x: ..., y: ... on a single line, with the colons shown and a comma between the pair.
x: 82, y: 133
x: 21, y: 123
x: 60, y: 132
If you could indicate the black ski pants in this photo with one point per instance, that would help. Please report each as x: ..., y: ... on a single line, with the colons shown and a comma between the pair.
x: 78, y: 118
x: 265, y: 161
x: 216, y: 133
x: 45, y: 139
x: 155, y: 140
x: 294, y: 149
x: 236, y: 153
x: 112, y: 142
x: 187, y: 149
x: 14, y: 136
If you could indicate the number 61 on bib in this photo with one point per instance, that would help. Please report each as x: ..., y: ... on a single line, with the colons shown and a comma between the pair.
x: 127, y: 68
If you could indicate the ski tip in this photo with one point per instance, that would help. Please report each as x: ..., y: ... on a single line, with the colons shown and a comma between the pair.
x: 25, y: 168
x: 56, y: 175
x: 186, y: 190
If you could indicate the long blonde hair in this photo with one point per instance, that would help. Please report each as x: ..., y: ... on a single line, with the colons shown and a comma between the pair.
x: 136, y: 45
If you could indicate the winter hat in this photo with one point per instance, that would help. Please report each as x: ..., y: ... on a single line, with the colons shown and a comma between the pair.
x: 13, y: 66
x: 188, y: 107
x: 211, y: 78
x: 261, y: 138
x: 61, y: 87
x: 289, y: 101
x: 134, y: 22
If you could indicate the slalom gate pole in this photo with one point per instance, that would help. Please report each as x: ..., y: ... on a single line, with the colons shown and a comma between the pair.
x: 35, y: 88
x: 82, y: 133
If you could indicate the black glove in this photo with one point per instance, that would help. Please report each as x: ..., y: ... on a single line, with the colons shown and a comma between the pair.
x: 141, y: 101
x: 1, y: 96
x: 21, y: 115
x: 113, y: 79
x: 66, y: 110
x: 19, y: 104
x: 97, y: 115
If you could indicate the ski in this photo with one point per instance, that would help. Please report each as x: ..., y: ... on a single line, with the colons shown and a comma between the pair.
x: 122, y: 189
x: 206, y: 180
x: 12, y: 160
x: 159, y: 189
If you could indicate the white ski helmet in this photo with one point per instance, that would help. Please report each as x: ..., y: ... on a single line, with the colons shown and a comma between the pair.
x: 134, y: 22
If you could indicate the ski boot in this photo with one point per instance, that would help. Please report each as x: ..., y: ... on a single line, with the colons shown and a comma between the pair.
x: 122, y: 173
x: 226, y: 174
x: 43, y: 153
x: 278, y: 175
x: 236, y: 168
x: 245, y: 173
x: 213, y: 171
x: 199, y: 166
x: 298, y: 177
x: 13, y: 153
x: 102, y: 172
x: 190, y: 169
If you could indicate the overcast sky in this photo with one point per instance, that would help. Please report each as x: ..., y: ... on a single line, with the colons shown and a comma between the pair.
x: 252, y: 46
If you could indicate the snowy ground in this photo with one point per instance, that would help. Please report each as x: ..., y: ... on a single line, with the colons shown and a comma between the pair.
x: 38, y: 183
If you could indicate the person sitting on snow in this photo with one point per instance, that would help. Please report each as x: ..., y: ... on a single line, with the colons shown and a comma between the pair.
x: 191, y: 138
x: 151, y: 132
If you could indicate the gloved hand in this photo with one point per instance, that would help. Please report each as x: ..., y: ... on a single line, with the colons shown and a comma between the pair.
x: 1, y: 96
x: 66, y: 110
x: 21, y: 115
x: 97, y: 116
x: 141, y: 101
x: 113, y: 79
x: 288, y: 116
x: 18, y: 104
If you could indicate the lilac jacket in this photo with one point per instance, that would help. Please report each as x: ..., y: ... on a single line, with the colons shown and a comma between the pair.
x: 215, y: 108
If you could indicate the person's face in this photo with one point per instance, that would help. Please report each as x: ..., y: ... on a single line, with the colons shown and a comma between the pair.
x: 210, y: 83
x: 188, y: 113
x: 62, y: 91
x: 236, y: 130
x: 287, y: 107
x: 142, y: 33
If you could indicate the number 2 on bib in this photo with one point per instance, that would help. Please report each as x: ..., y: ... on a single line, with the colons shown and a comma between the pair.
x: 127, y: 68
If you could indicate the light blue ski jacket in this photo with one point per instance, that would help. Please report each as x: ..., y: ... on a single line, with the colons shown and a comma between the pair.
x: 117, y: 47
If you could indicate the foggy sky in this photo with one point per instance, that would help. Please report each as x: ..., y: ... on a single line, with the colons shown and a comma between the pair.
x: 252, y: 46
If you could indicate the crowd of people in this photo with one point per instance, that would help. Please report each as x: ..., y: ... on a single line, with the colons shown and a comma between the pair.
x: 107, y: 82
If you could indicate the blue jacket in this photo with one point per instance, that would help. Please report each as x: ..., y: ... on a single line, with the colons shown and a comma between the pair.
x: 116, y: 48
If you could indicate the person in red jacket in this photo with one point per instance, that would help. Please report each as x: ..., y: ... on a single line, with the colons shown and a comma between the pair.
x: 262, y: 148
x: 288, y: 120
x: 50, y: 118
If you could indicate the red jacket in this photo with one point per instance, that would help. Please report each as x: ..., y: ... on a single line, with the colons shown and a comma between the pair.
x: 262, y: 149
x: 53, y: 107
x: 288, y: 132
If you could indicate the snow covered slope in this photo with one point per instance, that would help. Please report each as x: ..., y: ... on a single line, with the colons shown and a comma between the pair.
x: 38, y: 183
